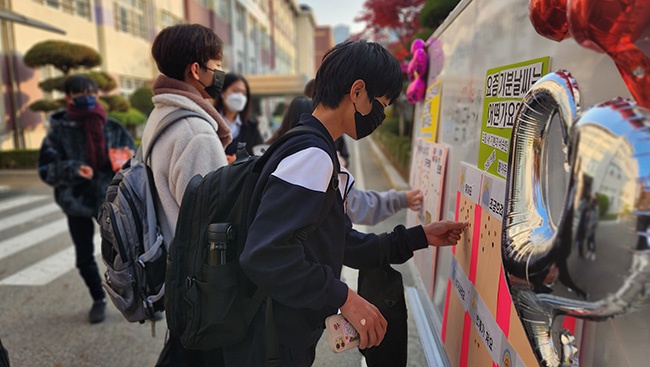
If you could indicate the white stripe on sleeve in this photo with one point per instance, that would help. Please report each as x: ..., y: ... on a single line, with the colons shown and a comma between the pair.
x: 310, y: 168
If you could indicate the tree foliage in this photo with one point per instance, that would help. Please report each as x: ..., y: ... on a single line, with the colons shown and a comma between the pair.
x: 116, y: 103
x: 393, y: 21
x: 434, y: 12
x: 104, y: 80
x: 67, y: 57
x: 47, y: 105
x: 131, y: 119
x: 141, y: 100
x: 64, y: 56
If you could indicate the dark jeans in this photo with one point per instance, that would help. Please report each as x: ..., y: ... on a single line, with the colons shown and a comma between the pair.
x: 252, y: 351
x: 175, y: 355
x: 82, y: 231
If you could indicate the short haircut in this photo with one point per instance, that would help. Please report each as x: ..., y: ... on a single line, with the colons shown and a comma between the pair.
x: 179, y: 45
x: 353, y: 60
x: 79, y: 84
x: 219, y: 103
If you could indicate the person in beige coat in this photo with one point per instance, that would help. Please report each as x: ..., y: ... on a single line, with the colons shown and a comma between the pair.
x: 189, y: 58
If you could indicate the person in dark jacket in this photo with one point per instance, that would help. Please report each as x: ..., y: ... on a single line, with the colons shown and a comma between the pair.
x: 74, y: 160
x: 234, y: 104
x: 301, y: 275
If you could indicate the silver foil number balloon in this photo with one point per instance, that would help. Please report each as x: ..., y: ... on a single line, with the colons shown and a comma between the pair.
x: 594, y: 261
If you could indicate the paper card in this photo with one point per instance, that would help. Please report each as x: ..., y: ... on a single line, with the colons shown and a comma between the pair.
x: 493, y: 195
x: 488, y: 268
x: 434, y: 186
x: 469, y: 181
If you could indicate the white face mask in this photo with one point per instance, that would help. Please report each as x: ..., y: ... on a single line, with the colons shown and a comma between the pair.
x: 236, y: 102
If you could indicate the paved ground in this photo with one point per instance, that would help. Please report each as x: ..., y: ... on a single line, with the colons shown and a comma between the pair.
x: 45, y: 324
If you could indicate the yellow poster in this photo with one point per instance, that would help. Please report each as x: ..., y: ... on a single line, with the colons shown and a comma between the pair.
x: 431, y: 112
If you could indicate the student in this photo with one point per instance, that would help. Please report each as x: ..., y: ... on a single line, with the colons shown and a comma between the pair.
x: 74, y: 160
x: 353, y: 85
x: 234, y: 104
x: 189, y: 59
x: 341, y: 146
x: 367, y: 207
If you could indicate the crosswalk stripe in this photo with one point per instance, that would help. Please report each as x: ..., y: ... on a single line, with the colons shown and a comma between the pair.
x: 48, y: 269
x: 18, y: 201
x: 28, y: 215
x: 31, y: 238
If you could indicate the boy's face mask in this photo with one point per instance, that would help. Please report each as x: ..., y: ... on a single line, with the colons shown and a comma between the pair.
x: 366, y: 124
x: 85, y: 102
x: 218, y: 77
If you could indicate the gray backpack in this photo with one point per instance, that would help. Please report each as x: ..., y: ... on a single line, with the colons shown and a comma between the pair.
x: 131, y: 239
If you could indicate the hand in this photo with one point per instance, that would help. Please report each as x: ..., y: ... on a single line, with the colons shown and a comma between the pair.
x: 414, y: 199
x: 86, y: 172
x: 444, y: 233
x: 231, y: 158
x: 366, y: 318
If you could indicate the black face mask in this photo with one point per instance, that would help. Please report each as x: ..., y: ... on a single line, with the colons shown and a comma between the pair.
x: 218, y: 77
x: 365, y: 125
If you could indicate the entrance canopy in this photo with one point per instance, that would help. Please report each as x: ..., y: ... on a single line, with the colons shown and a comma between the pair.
x: 276, y: 85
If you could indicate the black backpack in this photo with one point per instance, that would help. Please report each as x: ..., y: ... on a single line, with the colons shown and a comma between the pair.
x: 211, y: 306
x: 131, y: 240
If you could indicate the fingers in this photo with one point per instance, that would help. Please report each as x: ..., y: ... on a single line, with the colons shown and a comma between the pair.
x: 366, y: 319
x: 374, y: 331
x: 455, y: 226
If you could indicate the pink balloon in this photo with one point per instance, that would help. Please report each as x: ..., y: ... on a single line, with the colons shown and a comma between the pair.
x: 420, y: 62
x: 415, y: 91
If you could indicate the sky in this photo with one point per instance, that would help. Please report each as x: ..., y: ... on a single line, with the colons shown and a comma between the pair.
x: 335, y: 12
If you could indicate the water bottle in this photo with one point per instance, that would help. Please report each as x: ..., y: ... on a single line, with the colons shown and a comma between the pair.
x: 218, y: 236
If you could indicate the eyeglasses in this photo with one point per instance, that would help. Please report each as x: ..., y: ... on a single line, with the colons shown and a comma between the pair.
x: 207, y: 68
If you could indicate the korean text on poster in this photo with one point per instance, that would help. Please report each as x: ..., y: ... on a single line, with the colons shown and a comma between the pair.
x: 505, y: 86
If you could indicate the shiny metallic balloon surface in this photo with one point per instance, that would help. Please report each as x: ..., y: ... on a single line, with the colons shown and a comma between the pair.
x: 594, y: 261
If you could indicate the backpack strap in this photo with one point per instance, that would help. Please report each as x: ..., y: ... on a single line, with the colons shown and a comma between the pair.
x: 167, y: 121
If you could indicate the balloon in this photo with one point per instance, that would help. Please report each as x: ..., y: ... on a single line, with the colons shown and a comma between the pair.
x: 415, y: 90
x: 420, y: 62
x: 594, y: 263
x: 549, y: 18
x: 417, y: 44
x: 613, y: 27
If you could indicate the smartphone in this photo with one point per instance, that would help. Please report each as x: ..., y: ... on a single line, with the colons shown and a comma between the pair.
x: 341, y: 334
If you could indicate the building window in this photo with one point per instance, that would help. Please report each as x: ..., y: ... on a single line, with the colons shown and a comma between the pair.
x: 79, y: 8
x: 222, y: 8
x: 129, y: 17
x: 239, y: 19
x: 168, y: 19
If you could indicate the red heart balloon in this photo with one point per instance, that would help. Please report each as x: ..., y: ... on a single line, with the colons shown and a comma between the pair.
x: 549, y: 18
x: 613, y: 26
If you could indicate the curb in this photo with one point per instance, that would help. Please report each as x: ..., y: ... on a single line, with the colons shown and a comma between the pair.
x: 394, y: 178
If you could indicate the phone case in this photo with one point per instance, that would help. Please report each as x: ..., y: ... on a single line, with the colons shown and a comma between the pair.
x: 341, y: 334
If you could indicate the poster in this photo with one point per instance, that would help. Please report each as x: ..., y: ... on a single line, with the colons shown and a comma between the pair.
x: 436, y: 164
x: 505, y: 86
x: 431, y: 112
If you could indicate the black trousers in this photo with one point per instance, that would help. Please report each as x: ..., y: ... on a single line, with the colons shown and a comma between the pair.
x: 82, y: 231
x: 174, y: 354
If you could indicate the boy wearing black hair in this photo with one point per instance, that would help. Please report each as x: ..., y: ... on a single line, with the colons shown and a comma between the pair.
x: 356, y: 80
x: 74, y: 160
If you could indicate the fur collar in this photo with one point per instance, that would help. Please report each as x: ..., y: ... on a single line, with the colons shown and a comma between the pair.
x: 167, y: 85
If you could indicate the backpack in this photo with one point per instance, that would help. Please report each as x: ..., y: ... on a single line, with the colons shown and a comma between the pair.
x: 131, y: 240
x: 210, y: 302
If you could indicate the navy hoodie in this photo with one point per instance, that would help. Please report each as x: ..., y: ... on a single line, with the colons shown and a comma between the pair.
x: 303, y: 278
